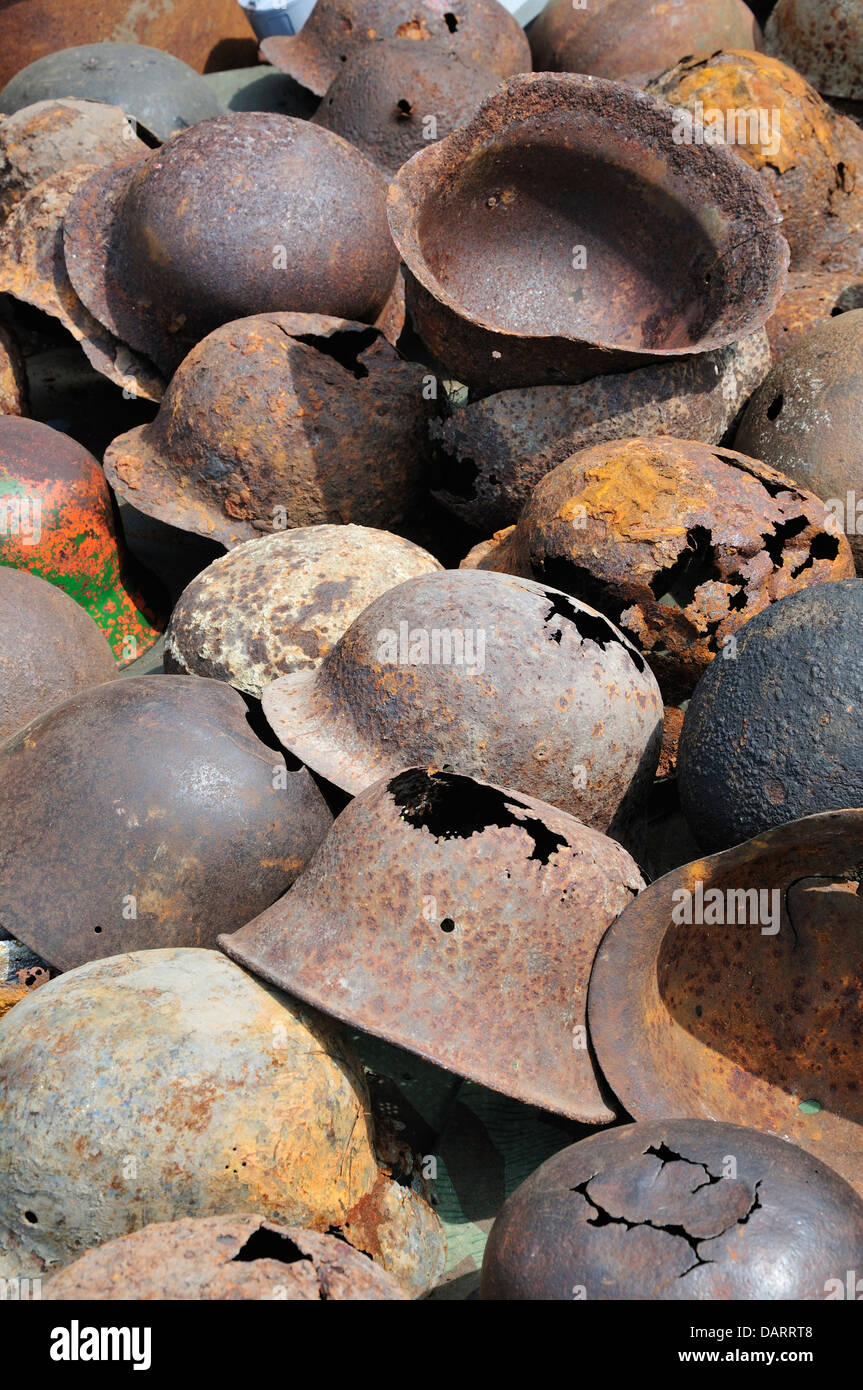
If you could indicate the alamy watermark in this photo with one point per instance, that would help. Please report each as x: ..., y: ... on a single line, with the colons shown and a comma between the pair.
x: 21, y: 516
x: 753, y: 126
x: 728, y: 907
x: 435, y: 646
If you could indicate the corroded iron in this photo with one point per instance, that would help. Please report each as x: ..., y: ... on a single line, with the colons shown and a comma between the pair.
x: 280, y: 420
x: 730, y: 990
x: 678, y: 543
x: 823, y: 41
x: 50, y: 649
x: 21, y: 971
x: 296, y: 212
x: 522, y: 270
x: 178, y: 823
x: 480, y: 31
x: 42, y: 139
x: 812, y: 298
x: 460, y: 921
x: 675, y: 1209
x: 13, y: 380
x: 277, y: 605
x: 489, y: 676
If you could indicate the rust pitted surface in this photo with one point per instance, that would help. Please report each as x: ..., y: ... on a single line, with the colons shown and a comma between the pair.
x: 295, y: 211
x: 280, y: 420
x: 728, y: 1022
x: 178, y: 822
x: 480, y: 31
x: 657, y: 1211
x: 42, y: 139
x: 521, y: 267
x: 633, y: 40
x: 21, y: 971
x: 822, y: 40
x: 811, y: 299
x: 50, y: 649
x: 277, y: 605
x: 490, y: 455
x: 460, y: 921
x: 485, y: 675
x: 809, y: 158
x: 220, y: 1258
x: 678, y: 543
x: 13, y: 380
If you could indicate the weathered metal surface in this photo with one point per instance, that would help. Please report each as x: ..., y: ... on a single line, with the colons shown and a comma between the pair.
x: 486, y: 675
x: 736, y: 1020
x: 678, y: 543
x: 522, y: 268
x: 808, y: 157
x: 480, y: 31
x: 13, y: 380
x: 42, y: 139
x: 21, y: 971
x: 224, y: 1257
x: 490, y: 455
x: 295, y: 211
x: 655, y: 1211
x: 59, y: 523
x: 460, y: 921
x: 157, y: 90
x: 671, y: 730
x: 277, y: 605
x: 806, y: 417
x: 33, y: 269
x: 280, y: 420
x: 775, y: 733
x: 823, y: 41
x: 812, y: 298
x: 50, y: 649
x: 633, y: 40
x: 178, y: 823
x: 391, y: 98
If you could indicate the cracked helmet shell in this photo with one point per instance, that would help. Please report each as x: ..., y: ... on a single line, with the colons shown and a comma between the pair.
x: 42, y: 139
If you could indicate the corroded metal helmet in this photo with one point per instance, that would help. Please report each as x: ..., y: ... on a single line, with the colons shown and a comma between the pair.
x: 675, y: 1209
x: 224, y: 1257
x: 49, y: 649
x: 294, y: 211
x: 460, y: 921
x: 178, y: 823
x: 57, y: 520
x: 678, y: 543
x: 280, y: 420
x: 13, y: 381
x: 731, y: 990
x: 277, y: 605
x: 480, y: 31
x: 812, y: 298
x: 21, y: 971
x: 42, y: 139
x: 774, y: 733
x: 824, y: 42
x: 163, y: 1084
x: 485, y: 675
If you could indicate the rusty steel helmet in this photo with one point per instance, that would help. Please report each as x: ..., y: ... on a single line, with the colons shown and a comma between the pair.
x: 731, y: 990
x: 280, y: 420
x: 178, y: 823
x: 812, y: 298
x: 679, y: 543
x: 460, y: 921
x: 773, y: 733
x: 220, y: 1258
x: 50, y: 649
x: 803, y: 152
x: 823, y: 41
x: 13, y: 379
x: 806, y: 419
x: 277, y: 605
x: 485, y: 675
x: 163, y: 1084
x: 480, y: 31
x: 509, y: 258
x: 21, y: 971
x: 42, y: 139
x: 392, y: 97
x: 633, y: 40
x: 162, y: 93
x: 241, y: 215
x: 57, y: 520
x: 675, y: 1209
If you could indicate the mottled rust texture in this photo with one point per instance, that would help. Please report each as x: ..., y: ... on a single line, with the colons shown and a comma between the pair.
x: 822, y: 40
x: 42, y: 139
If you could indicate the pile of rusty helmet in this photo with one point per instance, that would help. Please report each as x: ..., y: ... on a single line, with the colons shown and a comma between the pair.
x: 431, y: 760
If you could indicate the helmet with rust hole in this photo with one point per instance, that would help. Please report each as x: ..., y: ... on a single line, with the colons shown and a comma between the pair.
x: 277, y: 605
x: 279, y: 421
x: 170, y: 1083
x: 486, y: 675
x: 178, y: 823
x: 675, y: 1209
x: 460, y: 921
x: 731, y: 990
x: 294, y: 212
x: 823, y: 41
x: 480, y: 31
x: 42, y: 139
x: 678, y: 543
